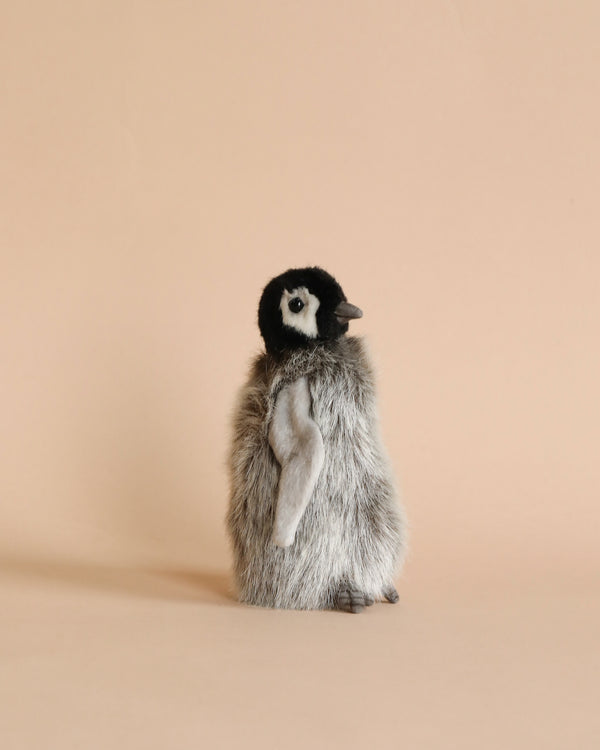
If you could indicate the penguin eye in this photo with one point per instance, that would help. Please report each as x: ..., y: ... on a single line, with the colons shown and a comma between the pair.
x: 296, y: 304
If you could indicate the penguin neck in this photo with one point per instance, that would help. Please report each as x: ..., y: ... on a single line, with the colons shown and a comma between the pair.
x: 300, y: 361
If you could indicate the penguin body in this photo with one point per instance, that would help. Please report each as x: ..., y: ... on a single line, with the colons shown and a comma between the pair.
x: 313, y: 515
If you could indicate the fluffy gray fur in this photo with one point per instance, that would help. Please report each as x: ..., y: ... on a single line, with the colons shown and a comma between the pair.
x: 349, y: 539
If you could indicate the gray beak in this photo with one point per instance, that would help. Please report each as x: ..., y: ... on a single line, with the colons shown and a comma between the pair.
x: 345, y: 312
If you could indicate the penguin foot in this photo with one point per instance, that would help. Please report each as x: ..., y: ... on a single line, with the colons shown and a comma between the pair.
x: 391, y: 595
x: 353, y: 600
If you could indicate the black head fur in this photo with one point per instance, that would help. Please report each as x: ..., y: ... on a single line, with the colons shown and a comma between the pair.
x: 278, y: 337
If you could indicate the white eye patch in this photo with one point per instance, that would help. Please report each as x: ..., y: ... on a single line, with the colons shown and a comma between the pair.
x: 305, y: 320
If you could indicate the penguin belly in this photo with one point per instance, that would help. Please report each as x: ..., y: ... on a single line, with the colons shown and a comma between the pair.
x: 352, y: 529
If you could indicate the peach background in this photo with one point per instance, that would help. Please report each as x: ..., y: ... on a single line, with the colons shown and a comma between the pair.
x: 160, y: 162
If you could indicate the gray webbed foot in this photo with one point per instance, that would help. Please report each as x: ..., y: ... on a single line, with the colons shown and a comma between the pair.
x: 391, y: 595
x: 352, y: 600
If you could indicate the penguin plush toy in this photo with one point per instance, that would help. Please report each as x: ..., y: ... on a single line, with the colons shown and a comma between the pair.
x: 313, y: 515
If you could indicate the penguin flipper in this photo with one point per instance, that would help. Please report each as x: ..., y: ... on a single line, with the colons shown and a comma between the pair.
x: 298, y: 446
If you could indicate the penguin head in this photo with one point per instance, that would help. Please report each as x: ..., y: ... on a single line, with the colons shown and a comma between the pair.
x: 303, y: 307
